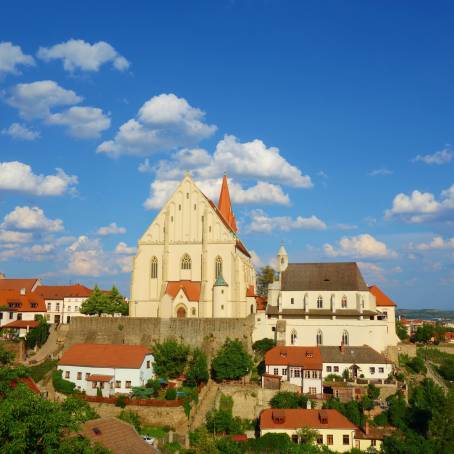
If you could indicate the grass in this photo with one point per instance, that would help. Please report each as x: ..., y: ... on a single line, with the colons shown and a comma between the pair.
x: 39, y: 372
x: 156, y: 432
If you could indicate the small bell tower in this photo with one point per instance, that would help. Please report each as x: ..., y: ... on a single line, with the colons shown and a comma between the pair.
x: 282, y: 259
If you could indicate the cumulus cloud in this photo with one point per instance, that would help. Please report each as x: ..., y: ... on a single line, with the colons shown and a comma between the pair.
x: 19, y: 177
x: 437, y: 242
x: 256, y: 260
x: 79, y: 54
x: 383, y: 171
x: 86, y: 257
x: 19, y: 131
x: 10, y: 236
x: 11, y: 57
x: 31, y: 218
x: 422, y: 206
x: 123, y: 248
x: 262, y: 223
x: 372, y: 271
x: 111, y: 229
x: 163, y: 123
x: 438, y: 158
x: 360, y: 246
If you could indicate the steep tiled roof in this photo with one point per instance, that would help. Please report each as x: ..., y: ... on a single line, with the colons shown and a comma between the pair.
x: 323, y: 276
x: 15, y: 301
x: 307, y: 357
x: 118, y: 436
x: 97, y: 377
x: 190, y: 288
x: 58, y: 292
x: 358, y: 355
x: 380, y: 298
x: 18, y: 284
x: 298, y: 418
x: 225, y: 205
x: 250, y: 291
x: 105, y: 355
x: 22, y: 324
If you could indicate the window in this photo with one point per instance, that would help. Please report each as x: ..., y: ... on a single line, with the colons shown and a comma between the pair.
x: 284, y: 371
x: 293, y: 337
x: 297, y: 373
x: 87, y: 375
x: 148, y: 364
x: 319, y: 302
x: 218, y: 267
x: 128, y: 384
x: 314, y: 374
x: 344, y: 302
x: 118, y: 384
x: 329, y: 368
x: 292, y: 300
x: 295, y: 438
x: 319, y: 439
x: 329, y: 440
x: 19, y: 316
x: 272, y: 328
x: 319, y: 337
x: 57, y: 307
x: 69, y: 308
x: 336, y: 368
x: 373, y: 442
x: 47, y: 316
x: 11, y: 315
x: 346, y: 439
x: 187, y: 195
x: 372, y: 370
x: 79, y: 375
x: 154, y: 268
x: 179, y: 207
x: 33, y: 305
x: 186, y: 262
x: 76, y: 308
x: 93, y: 384
x: 307, y: 374
x: 381, y: 370
x: 313, y: 391
x: 276, y: 371
x: 67, y: 374
x: 49, y: 306
x: 193, y: 311
x: 345, y: 337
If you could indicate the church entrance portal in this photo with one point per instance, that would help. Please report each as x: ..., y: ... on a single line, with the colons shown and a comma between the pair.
x: 181, y: 312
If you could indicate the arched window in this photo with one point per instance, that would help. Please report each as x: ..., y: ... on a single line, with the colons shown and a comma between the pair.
x: 344, y: 302
x: 154, y: 268
x: 293, y: 337
x: 218, y: 267
x: 319, y: 302
x: 186, y: 262
x: 345, y: 337
x: 319, y: 337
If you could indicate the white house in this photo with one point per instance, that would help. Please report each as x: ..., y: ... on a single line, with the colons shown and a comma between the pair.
x: 325, y: 304
x: 112, y: 368
x: 357, y: 362
x: 301, y: 366
x: 334, y: 429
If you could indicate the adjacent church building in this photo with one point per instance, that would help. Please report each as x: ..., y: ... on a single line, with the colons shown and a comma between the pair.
x: 190, y: 261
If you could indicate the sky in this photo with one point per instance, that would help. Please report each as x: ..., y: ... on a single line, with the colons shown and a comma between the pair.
x: 333, y: 120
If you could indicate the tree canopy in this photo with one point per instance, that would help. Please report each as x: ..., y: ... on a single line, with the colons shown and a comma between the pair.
x: 170, y: 358
x: 265, y: 276
x: 197, y: 368
x: 231, y: 362
x: 99, y: 303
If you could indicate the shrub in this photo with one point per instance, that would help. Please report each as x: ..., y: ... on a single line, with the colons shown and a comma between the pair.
x: 197, y: 369
x: 131, y: 417
x: 231, y: 362
x: 61, y: 385
x: 39, y: 371
x: 171, y: 394
x: 121, y: 401
x: 332, y: 377
x: 372, y: 391
x: 263, y: 345
x: 287, y: 399
x: 170, y: 358
x: 417, y: 365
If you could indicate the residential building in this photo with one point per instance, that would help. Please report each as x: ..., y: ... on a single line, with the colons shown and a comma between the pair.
x: 25, y: 285
x: 334, y: 429
x: 326, y: 304
x: 371, y: 437
x: 111, y: 368
x: 356, y: 362
x: 190, y: 261
x: 301, y: 366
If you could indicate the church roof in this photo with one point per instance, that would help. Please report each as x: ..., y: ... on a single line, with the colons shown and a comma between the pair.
x: 338, y: 276
x: 190, y: 288
x: 220, y: 282
x: 225, y: 206
x: 380, y: 298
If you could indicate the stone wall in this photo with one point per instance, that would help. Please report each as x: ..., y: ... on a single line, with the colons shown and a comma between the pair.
x: 208, y: 334
x: 392, y: 353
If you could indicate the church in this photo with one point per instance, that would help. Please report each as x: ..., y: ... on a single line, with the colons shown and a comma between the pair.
x: 190, y: 261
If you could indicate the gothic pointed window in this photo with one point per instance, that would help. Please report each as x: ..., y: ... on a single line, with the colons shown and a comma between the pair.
x: 345, y: 337
x: 218, y: 267
x: 344, y: 302
x: 154, y: 268
x: 320, y: 302
x: 186, y: 262
x: 319, y: 338
x: 293, y: 337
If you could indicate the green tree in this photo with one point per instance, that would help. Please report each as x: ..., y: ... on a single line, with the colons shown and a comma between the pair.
x: 6, y: 357
x: 116, y: 303
x: 170, y: 358
x: 38, y: 336
x: 263, y: 345
x: 307, y: 435
x: 197, y: 368
x: 231, y: 362
x: 96, y: 304
x: 372, y: 391
x: 441, y: 427
x: 265, y: 276
x: 79, y: 410
x: 131, y: 417
x: 401, y: 331
x: 424, y: 333
x: 288, y: 399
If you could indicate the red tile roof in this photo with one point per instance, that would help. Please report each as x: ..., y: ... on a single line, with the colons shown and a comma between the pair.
x: 250, y: 291
x: 190, y: 288
x: 22, y: 324
x: 380, y: 298
x: 95, y: 377
x: 225, y: 205
x: 14, y: 301
x: 260, y: 303
x: 105, y: 355
x: 242, y: 248
x: 307, y: 357
x: 58, y: 292
x: 299, y: 418
x: 17, y: 284
x: 29, y: 382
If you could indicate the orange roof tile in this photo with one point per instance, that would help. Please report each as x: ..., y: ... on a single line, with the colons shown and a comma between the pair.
x: 22, y: 324
x: 105, y: 355
x: 15, y: 301
x: 250, y: 291
x: 97, y: 377
x: 260, y: 303
x: 380, y: 298
x: 29, y: 382
x: 190, y: 288
x: 299, y: 418
x: 17, y: 284
x: 225, y: 205
x: 58, y: 292
x: 307, y: 357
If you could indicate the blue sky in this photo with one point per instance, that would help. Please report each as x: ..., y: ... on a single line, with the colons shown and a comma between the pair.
x: 333, y: 120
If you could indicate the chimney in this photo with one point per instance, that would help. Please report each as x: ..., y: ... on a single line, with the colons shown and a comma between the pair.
x: 278, y: 416
x: 366, y: 427
x: 22, y: 291
x: 2, y: 275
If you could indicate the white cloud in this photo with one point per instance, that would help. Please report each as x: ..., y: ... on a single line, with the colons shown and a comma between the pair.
x: 422, y: 206
x: 437, y: 242
x: 21, y: 132
x: 163, y: 123
x: 26, y: 218
x: 11, y: 57
x: 9, y: 236
x: 438, y: 158
x: 79, y: 54
x: 40, y: 249
x: 360, y: 246
x: 261, y: 222
x: 372, y: 271
x: 19, y: 177
x: 111, y: 229
x: 380, y: 172
x: 346, y: 226
x: 256, y: 260
x: 124, y: 263
x: 34, y: 100
x: 82, y: 122
x: 145, y: 167
x: 86, y: 257
x: 123, y: 248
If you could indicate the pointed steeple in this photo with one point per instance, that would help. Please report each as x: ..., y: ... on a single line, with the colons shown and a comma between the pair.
x: 225, y: 206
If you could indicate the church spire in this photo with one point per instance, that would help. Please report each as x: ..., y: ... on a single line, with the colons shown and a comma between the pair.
x: 225, y: 206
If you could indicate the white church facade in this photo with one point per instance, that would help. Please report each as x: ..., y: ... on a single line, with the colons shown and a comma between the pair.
x: 317, y: 304
x: 190, y: 261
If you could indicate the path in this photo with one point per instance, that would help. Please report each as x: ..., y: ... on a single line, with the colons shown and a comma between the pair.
x: 207, y: 404
x: 434, y: 375
x: 52, y: 346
